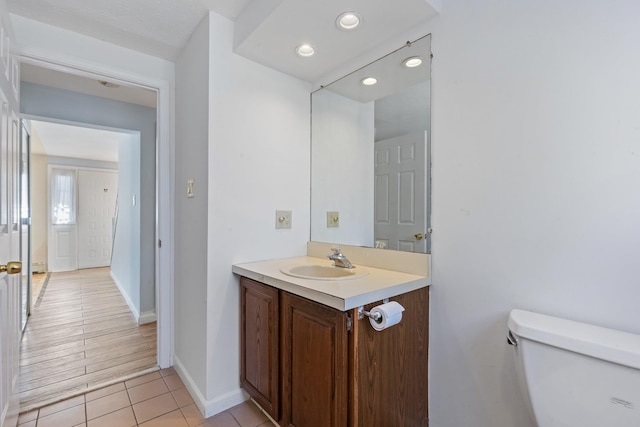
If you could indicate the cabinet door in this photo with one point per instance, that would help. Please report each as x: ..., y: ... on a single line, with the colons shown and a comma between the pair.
x: 314, y: 364
x: 260, y: 371
x: 391, y: 367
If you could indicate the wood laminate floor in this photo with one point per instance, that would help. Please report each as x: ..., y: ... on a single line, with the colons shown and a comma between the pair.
x: 80, y: 337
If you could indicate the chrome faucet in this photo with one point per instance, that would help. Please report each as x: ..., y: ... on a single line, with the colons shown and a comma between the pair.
x: 339, y: 260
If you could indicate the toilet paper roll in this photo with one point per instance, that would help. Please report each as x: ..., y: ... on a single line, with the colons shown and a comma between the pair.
x: 390, y: 314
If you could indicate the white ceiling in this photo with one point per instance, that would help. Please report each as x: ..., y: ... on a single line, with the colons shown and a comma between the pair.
x: 156, y: 27
x: 54, y: 139
x: 266, y: 31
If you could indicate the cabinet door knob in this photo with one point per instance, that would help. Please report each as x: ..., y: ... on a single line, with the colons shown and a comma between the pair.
x: 12, y: 267
x: 418, y: 236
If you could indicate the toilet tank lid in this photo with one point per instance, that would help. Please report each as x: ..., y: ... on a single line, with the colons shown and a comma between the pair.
x: 595, y: 341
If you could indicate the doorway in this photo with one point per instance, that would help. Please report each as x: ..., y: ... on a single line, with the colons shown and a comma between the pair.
x: 152, y: 181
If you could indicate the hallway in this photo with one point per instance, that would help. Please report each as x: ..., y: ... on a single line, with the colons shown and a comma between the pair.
x: 81, y: 336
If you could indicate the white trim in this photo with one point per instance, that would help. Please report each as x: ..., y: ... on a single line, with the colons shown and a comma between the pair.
x: 209, y: 408
x: 147, y: 317
x: 130, y: 303
x: 164, y: 178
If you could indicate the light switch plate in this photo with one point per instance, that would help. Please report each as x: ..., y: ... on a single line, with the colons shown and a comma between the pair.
x: 333, y: 219
x: 283, y: 219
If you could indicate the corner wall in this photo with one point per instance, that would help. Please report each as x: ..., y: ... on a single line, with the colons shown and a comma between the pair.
x: 243, y: 136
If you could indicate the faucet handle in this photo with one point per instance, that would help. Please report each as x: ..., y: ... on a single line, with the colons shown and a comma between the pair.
x: 336, y: 250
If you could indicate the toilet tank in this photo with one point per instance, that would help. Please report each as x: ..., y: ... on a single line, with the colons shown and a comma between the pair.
x: 575, y: 374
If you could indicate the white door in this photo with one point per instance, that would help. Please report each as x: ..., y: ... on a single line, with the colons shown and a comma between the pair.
x: 400, y: 193
x: 10, y: 331
x: 96, y: 204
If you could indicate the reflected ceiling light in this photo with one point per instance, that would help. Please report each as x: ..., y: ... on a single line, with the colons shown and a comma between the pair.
x: 412, y: 62
x: 305, y: 50
x: 348, y: 21
x: 369, y: 81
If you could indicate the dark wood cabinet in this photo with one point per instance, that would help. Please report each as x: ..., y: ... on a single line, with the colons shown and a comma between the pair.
x: 314, y: 364
x: 260, y: 341
x: 310, y: 365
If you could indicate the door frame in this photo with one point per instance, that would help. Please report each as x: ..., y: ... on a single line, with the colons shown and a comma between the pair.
x: 164, y: 268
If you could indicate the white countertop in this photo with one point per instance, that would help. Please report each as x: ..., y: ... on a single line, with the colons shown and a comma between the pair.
x: 343, y: 295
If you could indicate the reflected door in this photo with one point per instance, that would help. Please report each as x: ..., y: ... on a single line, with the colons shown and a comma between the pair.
x: 401, y: 193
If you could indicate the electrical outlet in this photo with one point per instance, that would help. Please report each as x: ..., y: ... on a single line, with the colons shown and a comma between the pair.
x: 283, y: 219
x: 333, y: 219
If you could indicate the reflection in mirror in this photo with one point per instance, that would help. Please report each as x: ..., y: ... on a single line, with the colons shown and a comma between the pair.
x: 369, y: 154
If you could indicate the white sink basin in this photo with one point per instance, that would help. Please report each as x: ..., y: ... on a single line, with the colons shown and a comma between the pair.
x: 323, y: 272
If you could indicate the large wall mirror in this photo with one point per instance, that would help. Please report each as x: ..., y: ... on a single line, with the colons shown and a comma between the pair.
x: 370, y: 154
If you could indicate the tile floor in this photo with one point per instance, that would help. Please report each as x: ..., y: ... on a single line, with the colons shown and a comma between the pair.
x: 158, y: 399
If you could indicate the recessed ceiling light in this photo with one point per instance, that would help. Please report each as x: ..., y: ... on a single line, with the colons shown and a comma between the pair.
x: 412, y: 62
x: 305, y: 50
x: 369, y: 81
x: 348, y: 21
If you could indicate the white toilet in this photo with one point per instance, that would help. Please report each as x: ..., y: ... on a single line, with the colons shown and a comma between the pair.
x: 574, y: 374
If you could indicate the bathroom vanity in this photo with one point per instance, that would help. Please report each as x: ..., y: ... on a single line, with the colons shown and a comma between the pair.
x: 309, y: 358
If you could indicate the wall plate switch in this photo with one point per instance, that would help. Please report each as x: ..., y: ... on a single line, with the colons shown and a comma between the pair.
x: 333, y: 219
x: 190, y: 184
x: 283, y: 219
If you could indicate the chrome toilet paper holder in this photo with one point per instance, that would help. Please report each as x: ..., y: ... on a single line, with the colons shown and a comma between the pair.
x: 375, y: 316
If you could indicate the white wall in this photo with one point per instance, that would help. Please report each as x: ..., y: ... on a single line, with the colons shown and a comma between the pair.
x: 125, y: 259
x: 342, y: 169
x: 258, y: 163
x: 191, y: 160
x: 247, y: 149
x: 536, y: 165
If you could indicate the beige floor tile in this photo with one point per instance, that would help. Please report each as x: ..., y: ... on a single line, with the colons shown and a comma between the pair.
x: 224, y: 419
x: 147, y: 391
x: 107, y: 404
x: 248, y: 415
x: 121, y: 418
x: 192, y: 415
x: 142, y: 379
x: 167, y: 371
x: 173, y: 382
x: 93, y: 395
x: 57, y: 407
x: 154, y: 407
x: 67, y: 418
x: 182, y: 397
x: 28, y: 424
x: 172, y: 419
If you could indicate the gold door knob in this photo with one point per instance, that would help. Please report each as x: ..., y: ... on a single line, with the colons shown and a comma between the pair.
x: 418, y: 236
x: 12, y: 267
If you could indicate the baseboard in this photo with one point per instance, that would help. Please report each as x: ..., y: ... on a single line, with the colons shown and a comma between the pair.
x: 132, y: 307
x: 212, y: 407
x: 147, y: 317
